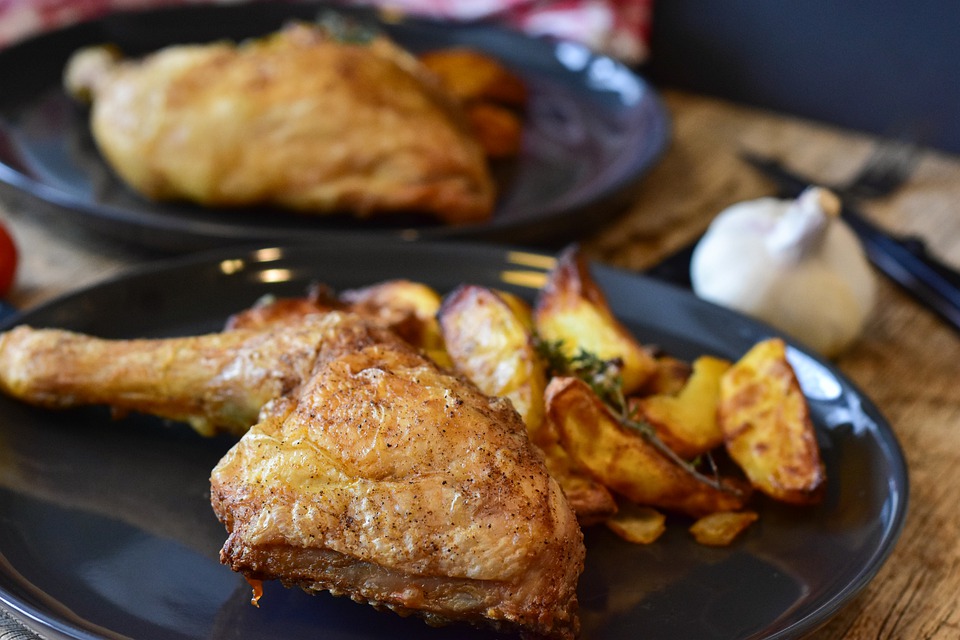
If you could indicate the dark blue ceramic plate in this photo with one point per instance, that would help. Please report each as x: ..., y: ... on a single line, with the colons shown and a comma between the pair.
x: 593, y: 129
x: 106, y: 530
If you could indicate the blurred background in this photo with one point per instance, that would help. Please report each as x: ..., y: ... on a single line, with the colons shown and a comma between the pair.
x: 886, y: 66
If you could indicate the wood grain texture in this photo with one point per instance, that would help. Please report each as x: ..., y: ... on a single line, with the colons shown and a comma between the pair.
x: 907, y: 361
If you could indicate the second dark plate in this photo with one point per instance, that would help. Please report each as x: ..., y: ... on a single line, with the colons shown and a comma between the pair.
x: 594, y: 128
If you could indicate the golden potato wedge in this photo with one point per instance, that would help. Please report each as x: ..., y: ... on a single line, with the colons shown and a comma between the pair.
x: 520, y: 307
x: 721, y: 528
x: 624, y: 461
x: 408, y: 308
x: 473, y: 76
x: 687, y: 422
x: 669, y: 377
x: 767, y: 428
x: 591, y: 501
x: 394, y: 297
x: 498, y: 129
x: 491, y: 344
x: 572, y: 310
x: 638, y: 524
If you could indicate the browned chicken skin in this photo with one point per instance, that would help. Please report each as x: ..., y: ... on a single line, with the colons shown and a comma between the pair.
x: 298, y: 120
x: 371, y: 472
x: 216, y: 382
x: 388, y: 480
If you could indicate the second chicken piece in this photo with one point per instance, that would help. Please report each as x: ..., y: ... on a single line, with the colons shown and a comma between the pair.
x: 299, y: 120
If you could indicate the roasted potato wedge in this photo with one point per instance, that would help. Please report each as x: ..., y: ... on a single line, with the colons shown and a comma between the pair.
x: 498, y: 129
x: 621, y: 458
x: 721, y: 528
x: 591, y: 501
x: 638, y: 524
x: 408, y: 308
x: 669, y: 377
x: 767, y: 428
x: 687, y: 422
x: 493, y: 97
x: 521, y: 309
x: 488, y: 336
x: 490, y: 343
x: 472, y: 76
x: 573, y: 311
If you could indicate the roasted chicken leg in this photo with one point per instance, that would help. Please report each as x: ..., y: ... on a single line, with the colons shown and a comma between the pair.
x: 298, y: 119
x: 216, y: 382
x: 370, y: 472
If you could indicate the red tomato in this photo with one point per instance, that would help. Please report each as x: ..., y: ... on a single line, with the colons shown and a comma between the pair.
x: 8, y: 261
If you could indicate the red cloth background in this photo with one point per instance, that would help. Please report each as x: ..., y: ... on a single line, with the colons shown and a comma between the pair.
x: 617, y: 27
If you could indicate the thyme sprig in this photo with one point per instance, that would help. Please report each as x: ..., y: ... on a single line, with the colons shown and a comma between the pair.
x: 605, y: 379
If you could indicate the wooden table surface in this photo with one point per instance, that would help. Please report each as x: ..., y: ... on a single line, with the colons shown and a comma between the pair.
x: 907, y: 361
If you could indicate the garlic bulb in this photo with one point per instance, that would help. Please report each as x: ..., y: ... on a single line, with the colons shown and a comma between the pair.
x: 793, y: 264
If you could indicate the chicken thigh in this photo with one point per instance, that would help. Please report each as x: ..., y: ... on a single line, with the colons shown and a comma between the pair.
x: 387, y: 480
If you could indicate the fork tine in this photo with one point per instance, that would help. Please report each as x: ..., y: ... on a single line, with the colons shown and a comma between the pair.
x: 887, y: 167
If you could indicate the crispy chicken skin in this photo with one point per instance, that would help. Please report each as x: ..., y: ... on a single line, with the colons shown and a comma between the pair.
x: 297, y: 120
x: 388, y: 480
x: 370, y: 472
x: 216, y: 382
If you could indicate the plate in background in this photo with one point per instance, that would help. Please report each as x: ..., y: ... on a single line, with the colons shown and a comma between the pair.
x: 593, y: 129
x: 106, y: 528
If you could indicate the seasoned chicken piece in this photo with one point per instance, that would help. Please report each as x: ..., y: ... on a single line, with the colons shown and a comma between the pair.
x: 298, y: 120
x: 387, y: 480
x: 216, y: 382
x: 370, y: 473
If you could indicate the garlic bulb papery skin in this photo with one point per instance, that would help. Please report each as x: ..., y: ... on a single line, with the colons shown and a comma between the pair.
x: 791, y: 263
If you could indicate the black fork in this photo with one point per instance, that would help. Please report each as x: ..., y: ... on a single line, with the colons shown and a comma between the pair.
x: 886, y: 168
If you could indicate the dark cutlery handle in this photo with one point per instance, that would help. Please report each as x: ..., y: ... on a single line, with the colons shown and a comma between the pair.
x: 918, y: 247
x: 907, y: 263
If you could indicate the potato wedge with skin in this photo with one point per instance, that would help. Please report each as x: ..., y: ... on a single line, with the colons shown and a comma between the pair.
x: 520, y: 307
x: 492, y: 97
x: 621, y: 459
x: 687, y: 422
x: 498, y: 129
x: 409, y: 308
x: 721, y: 528
x: 591, y: 501
x: 571, y: 309
x: 473, y: 76
x: 491, y: 344
x: 669, y: 377
x: 394, y: 298
x: 767, y: 428
x: 488, y: 336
